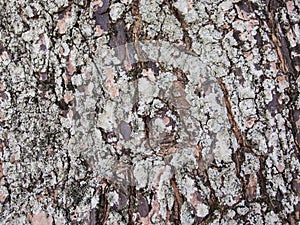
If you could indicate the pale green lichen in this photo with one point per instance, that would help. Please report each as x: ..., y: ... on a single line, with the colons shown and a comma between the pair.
x: 116, y: 10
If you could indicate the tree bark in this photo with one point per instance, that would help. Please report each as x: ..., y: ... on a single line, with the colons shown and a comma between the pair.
x: 149, y: 112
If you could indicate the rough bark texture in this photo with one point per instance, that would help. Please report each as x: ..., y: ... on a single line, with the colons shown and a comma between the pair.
x: 149, y: 112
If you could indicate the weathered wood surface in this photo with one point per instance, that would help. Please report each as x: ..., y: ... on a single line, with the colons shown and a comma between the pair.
x: 149, y: 112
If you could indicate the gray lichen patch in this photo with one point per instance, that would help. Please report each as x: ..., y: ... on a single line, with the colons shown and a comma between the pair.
x: 116, y: 11
x: 229, y: 190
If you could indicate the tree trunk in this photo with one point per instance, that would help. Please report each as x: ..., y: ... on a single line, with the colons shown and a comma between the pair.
x: 149, y: 112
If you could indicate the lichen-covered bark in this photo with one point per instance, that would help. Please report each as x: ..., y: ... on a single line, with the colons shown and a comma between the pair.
x: 149, y: 112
